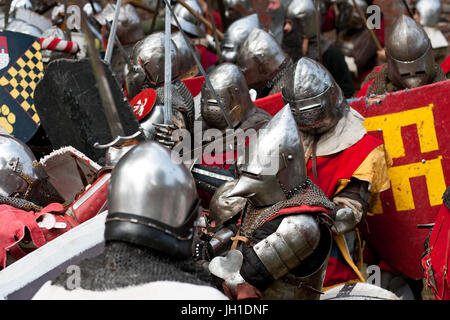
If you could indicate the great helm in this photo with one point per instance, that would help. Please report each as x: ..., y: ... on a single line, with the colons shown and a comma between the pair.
x: 236, y: 34
x: 188, y: 22
x: 273, y: 166
x: 18, y: 175
x: 409, y: 54
x: 152, y: 201
x: 260, y: 58
x: 429, y: 11
x: 314, y: 97
x: 147, y: 60
x: 303, y: 15
x: 232, y: 90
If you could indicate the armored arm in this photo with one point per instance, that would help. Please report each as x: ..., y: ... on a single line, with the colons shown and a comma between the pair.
x: 284, y: 244
x: 353, y: 202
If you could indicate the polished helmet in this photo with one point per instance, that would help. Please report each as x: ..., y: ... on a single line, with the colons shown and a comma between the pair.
x: 303, y: 15
x: 188, y: 22
x: 273, y: 166
x: 260, y: 58
x: 28, y: 22
x: 18, y: 170
x: 314, y: 97
x: 152, y: 201
x: 147, y: 60
x: 232, y: 90
x: 409, y: 54
x: 429, y: 11
x: 236, y: 34
x: 188, y: 66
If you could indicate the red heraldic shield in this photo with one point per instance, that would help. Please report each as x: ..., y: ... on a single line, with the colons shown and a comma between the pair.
x: 414, y: 127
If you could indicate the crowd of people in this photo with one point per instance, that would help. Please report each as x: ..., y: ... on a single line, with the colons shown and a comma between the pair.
x: 224, y: 225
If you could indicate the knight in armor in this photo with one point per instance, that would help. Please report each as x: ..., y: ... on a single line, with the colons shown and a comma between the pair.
x: 148, y: 236
x: 277, y: 11
x: 301, y: 40
x: 265, y: 65
x: 147, y: 71
x: 231, y: 88
x: 427, y: 13
x: 410, y: 61
x: 349, y: 165
x: 196, y: 31
x: 282, y: 244
x: 235, y: 36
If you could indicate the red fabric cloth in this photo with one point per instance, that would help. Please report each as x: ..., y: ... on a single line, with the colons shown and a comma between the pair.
x: 330, y: 170
x: 14, y: 222
x: 445, y: 65
x: 380, y: 31
x: 194, y: 85
x: 207, y: 58
x: 328, y: 20
x: 439, y: 256
x: 217, y: 20
x: 271, y: 104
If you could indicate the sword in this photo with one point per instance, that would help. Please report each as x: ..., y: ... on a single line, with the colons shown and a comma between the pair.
x: 109, y: 105
x: 200, y: 67
x: 167, y: 68
x: 112, y: 33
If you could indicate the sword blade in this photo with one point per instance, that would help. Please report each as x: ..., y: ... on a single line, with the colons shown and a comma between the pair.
x: 167, y: 68
x: 112, y: 34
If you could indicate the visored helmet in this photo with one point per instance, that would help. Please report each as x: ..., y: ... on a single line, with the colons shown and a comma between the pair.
x: 273, y: 167
x: 260, y: 58
x: 18, y: 175
x: 148, y: 63
x: 303, y: 15
x: 231, y: 88
x: 314, y: 97
x: 236, y: 34
x: 152, y: 201
x: 409, y: 54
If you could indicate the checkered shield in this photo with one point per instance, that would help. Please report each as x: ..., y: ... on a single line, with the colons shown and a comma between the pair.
x: 21, y: 69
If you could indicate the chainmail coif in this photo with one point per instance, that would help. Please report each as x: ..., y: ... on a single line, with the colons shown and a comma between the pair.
x: 123, y: 265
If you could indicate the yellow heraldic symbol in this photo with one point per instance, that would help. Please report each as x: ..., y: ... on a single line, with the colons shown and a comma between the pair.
x: 20, y: 81
x: 391, y: 125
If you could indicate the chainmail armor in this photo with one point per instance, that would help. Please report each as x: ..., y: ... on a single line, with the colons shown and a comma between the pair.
x: 278, y: 81
x: 123, y: 265
x: 19, y: 203
x: 182, y: 100
x: 382, y: 84
x: 306, y: 194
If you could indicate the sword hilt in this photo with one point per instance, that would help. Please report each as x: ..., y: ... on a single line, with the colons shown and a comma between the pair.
x: 119, y: 140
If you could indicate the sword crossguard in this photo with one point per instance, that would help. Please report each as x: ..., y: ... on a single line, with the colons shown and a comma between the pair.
x: 117, y: 141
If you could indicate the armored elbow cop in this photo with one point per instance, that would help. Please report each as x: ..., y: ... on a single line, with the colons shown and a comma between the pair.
x: 295, y: 239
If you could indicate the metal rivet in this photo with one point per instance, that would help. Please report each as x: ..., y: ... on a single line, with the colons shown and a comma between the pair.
x: 290, y: 157
x: 379, y: 129
x: 423, y: 160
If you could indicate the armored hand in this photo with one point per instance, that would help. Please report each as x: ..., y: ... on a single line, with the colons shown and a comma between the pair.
x: 344, y: 221
x: 227, y: 268
x: 164, y: 134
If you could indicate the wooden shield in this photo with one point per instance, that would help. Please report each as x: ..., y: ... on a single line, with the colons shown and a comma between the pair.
x: 413, y: 125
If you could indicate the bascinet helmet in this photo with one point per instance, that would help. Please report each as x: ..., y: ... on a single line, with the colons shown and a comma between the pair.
x: 236, y: 34
x: 303, y: 15
x: 314, y: 97
x: 429, y: 11
x: 18, y: 176
x: 152, y: 201
x: 273, y: 166
x: 188, y: 22
x: 409, y: 54
x: 231, y: 88
x: 260, y: 58
x: 188, y: 66
x: 147, y: 60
